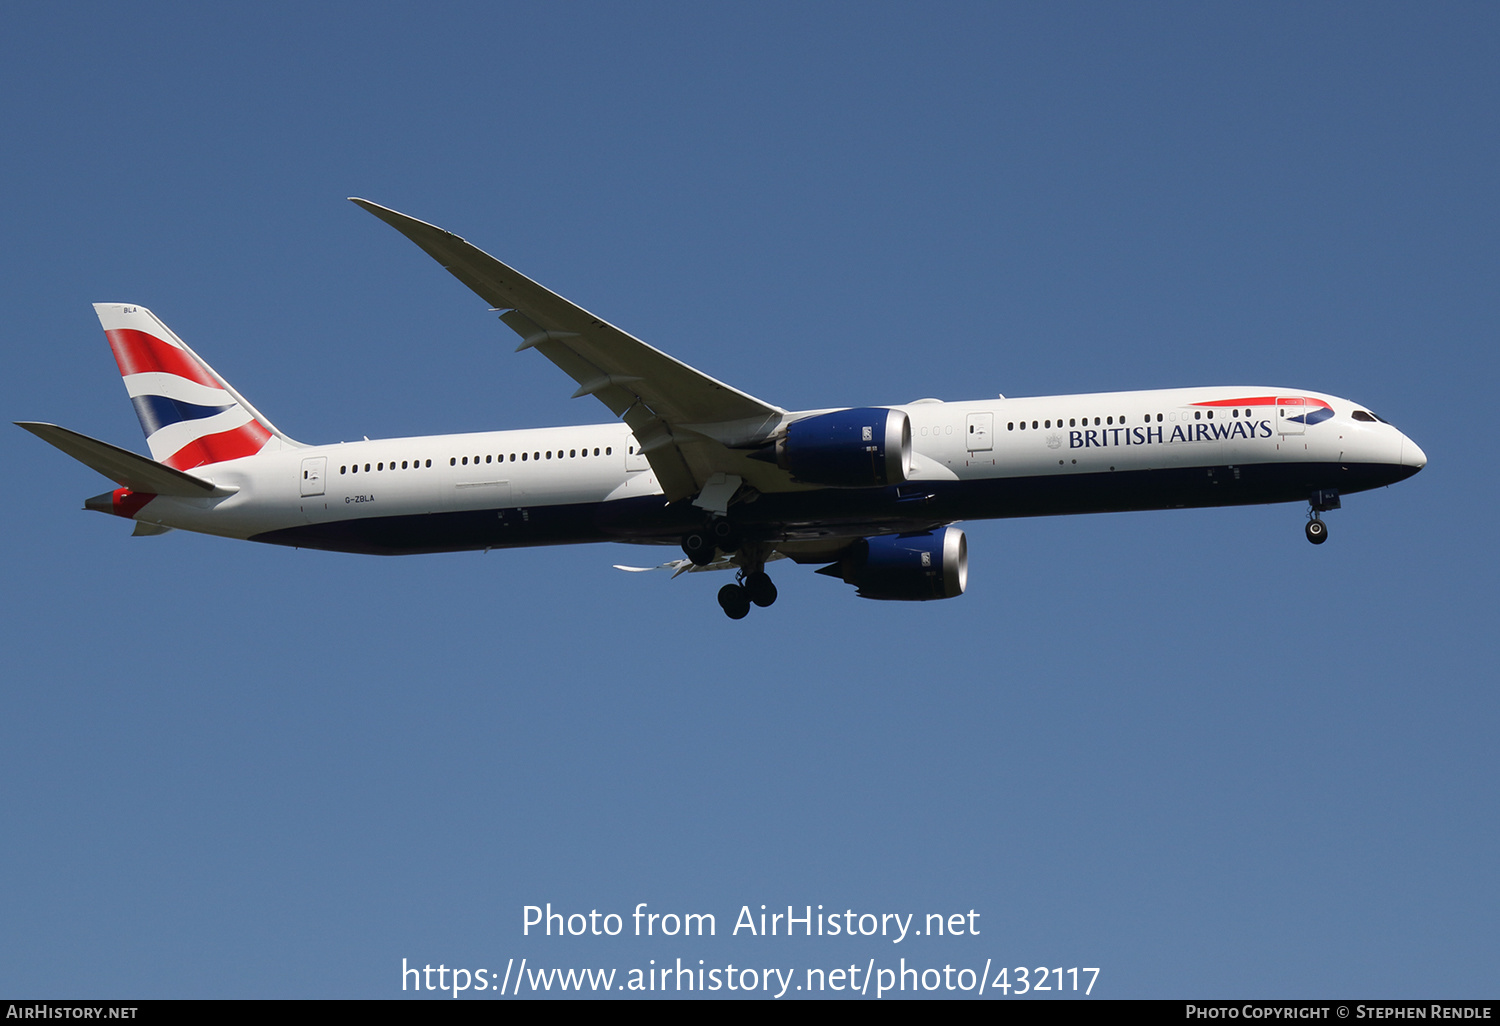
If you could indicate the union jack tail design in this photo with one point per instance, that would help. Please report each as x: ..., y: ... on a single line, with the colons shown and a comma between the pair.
x: 191, y: 416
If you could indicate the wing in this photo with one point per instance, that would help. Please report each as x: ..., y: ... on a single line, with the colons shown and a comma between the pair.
x: 695, y: 431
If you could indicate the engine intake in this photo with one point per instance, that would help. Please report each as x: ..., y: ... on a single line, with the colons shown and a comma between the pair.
x: 906, y: 567
x: 859, y: 448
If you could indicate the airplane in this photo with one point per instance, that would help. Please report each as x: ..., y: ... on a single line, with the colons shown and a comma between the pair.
x: 872, y: 494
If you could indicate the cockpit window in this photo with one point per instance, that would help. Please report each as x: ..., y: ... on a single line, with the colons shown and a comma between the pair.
x: 1368, y: 418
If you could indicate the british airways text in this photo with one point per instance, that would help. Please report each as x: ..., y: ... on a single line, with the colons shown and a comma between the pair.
x: 1210, y: 432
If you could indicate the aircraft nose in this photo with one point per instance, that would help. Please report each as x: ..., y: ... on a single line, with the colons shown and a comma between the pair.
x: 1412, y: 455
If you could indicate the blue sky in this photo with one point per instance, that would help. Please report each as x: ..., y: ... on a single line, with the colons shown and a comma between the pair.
x: 1185, y: 747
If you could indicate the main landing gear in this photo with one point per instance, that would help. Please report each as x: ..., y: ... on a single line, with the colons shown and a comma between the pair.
x: 1320, y: 502
x: 752, y: 585
x: 756, y: 587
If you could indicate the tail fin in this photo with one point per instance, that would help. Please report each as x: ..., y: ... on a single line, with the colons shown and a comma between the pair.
x: 190, y: 415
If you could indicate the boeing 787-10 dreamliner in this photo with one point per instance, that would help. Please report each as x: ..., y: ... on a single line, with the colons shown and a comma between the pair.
x: 870, y: 494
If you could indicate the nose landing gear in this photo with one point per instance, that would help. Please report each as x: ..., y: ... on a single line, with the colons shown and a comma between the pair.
x: 1321, y: 501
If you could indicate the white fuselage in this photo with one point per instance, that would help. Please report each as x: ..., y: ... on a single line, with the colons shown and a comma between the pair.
x: 981, y: 459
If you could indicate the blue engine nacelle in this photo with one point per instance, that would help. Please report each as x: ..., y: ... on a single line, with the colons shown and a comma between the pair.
x: 906, y: 567
x: 862, y: 448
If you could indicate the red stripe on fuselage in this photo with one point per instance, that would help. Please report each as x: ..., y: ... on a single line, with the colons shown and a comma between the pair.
x: 1266, y: 400
x: 137, y: 352
x: 1261, y: 400
x: 245, y: 440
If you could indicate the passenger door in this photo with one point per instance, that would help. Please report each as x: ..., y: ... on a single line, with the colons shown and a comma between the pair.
x: 980, y: 432
x: 313, y: 469
x: 1291, y: 415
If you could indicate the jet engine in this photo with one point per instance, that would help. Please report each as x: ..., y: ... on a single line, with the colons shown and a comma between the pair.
x: 860, y: 448
x: 906, y: 567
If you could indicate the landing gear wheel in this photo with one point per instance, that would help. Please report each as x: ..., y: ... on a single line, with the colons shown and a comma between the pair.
x: 735, y: 601
x: 760, y: 588
x: 1317, y: 532
x: 698, y: 547
x: 724, y: 535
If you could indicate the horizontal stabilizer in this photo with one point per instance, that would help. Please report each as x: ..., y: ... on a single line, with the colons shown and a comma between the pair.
x: 122, y: 466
